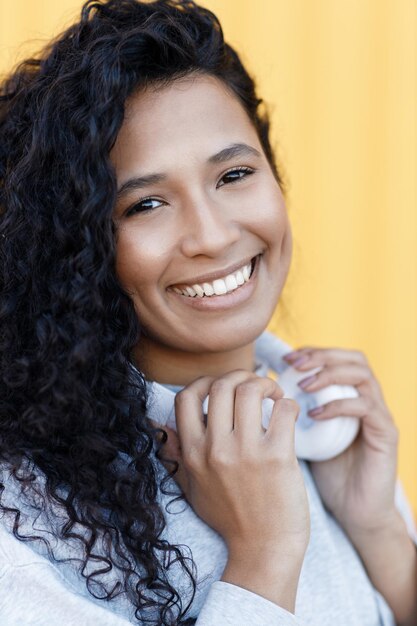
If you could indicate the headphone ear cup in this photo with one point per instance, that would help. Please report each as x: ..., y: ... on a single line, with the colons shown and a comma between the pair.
x: 270, y: 349
x: 319, y: 440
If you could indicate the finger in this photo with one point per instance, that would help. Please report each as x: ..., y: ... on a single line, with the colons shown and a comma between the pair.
x: 172, y: 446
x: 221, y: 407
x: 322, y: 356
x: 170, y: 455
x: 363, y: 407
x: 346, y: 374
x: 189, y: 412
x: 248, y: 406
x: 359, y: 376
x: 281, y: 429
x: 158, y: 427
x: 169, y: 447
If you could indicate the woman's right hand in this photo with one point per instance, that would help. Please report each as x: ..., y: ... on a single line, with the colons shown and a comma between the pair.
x: 242, y: 480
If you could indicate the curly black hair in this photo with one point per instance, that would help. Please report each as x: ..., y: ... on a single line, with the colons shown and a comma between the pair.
x: 69, y: 405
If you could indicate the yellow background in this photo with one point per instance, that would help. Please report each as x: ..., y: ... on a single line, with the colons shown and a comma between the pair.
x: 340, y: 78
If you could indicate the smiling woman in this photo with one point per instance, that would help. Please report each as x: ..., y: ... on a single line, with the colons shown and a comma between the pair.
x: 145, y: 244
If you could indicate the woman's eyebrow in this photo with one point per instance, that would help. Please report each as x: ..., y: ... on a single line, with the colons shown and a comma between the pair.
x: 230, y: 152
x: 234, y: 150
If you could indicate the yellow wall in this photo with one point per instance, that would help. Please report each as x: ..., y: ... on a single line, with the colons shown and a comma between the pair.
x: 341, y: 77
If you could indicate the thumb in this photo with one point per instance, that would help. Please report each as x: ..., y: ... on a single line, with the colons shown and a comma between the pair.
x: 171, y: 451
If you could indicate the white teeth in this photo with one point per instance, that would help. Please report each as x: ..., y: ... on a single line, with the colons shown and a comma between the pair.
x: 208, y: 289
x: 199, y: 290
x: 231, y: 282
x: 239, y: 278
x: 219, y: 287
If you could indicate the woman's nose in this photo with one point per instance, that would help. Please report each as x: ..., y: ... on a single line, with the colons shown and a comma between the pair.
x: 209, y: 228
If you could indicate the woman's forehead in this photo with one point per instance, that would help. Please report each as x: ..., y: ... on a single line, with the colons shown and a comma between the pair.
x: 197, y: 116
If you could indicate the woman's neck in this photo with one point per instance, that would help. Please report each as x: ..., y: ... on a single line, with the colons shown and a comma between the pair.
x: 168, y: 366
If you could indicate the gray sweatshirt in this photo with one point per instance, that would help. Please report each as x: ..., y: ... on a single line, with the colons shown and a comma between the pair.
x: 333, y: 587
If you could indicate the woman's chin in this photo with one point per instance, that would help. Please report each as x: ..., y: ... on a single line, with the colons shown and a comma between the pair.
x: 226, y: 338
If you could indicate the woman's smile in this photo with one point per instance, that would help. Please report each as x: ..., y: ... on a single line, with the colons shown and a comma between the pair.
x: 229, y: 290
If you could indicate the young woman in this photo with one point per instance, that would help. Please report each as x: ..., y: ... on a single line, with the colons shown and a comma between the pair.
x: 137, y: 178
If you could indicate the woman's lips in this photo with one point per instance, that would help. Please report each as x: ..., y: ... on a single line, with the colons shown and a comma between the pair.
x: 224, y: 301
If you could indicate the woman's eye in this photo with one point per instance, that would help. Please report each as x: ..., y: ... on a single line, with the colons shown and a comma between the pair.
x: 146, y: 205
x: 236, y: 174
x: 143, y: 206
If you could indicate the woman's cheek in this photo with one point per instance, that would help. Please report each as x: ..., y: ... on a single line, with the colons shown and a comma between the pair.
x: 136, y: 256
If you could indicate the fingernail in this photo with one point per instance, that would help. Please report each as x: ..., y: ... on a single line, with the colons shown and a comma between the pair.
x: 300, y: 361
x: 307, y: 381
x: 316, y: 411
x: 291, y: 355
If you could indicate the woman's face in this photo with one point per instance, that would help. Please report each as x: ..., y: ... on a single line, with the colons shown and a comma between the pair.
x: 197, y: 202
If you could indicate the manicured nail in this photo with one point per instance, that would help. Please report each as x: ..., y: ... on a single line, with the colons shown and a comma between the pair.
x: 300, y: 361
x: 291, y: 355
x: 307, y: 381
x: 316, y: 411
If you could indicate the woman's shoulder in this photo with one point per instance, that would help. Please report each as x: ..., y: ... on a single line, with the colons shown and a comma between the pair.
x: 27, y: 535
x: 52, y: 598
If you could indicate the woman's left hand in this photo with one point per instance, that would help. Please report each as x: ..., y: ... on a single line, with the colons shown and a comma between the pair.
x: 357, y: 486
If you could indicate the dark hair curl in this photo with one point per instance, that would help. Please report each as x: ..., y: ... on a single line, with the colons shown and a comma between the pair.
x: 68, y: 403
